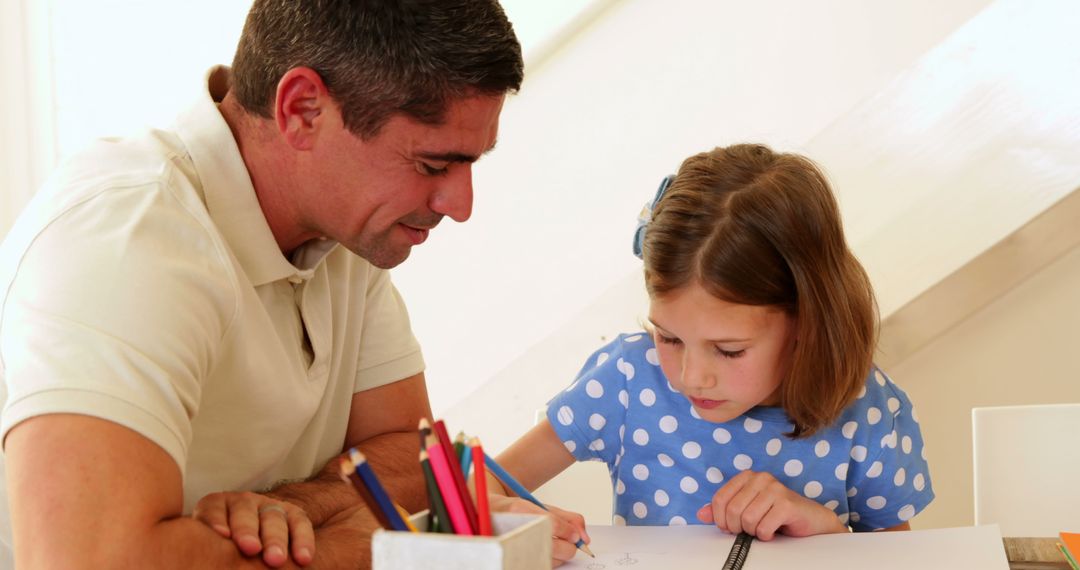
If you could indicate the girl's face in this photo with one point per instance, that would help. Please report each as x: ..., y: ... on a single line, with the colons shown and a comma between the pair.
x: 725, y: 358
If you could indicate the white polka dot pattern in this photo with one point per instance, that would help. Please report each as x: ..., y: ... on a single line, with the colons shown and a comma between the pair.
x: 670, y: 461
x: 641, y: 472
x: 743, y: 462
x: 793, y: 468
x: 594, y: 389
x: 647, y: 397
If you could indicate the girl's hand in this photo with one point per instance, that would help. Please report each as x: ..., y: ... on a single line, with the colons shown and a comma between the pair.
x: 566, y: 527
x: 258, y: 523
x: 758, y: 504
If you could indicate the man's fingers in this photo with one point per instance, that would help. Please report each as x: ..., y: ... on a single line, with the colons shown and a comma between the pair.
x: 274, y: 532
x: 302, y: 536
x: 213, y: 511
x: 244, y: 522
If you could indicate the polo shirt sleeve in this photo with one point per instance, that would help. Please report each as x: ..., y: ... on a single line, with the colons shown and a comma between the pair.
x: 589, y: 415
x: 893, y: 484
x: 114, y: 309
x: 388, y: 350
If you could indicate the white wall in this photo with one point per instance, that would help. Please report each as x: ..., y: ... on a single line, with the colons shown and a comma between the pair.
x: 596, y: 127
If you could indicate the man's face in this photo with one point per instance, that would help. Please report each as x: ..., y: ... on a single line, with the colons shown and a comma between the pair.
x: 382, y: 196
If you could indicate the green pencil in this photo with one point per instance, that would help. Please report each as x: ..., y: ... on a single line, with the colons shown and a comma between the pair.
x: 438, y: 508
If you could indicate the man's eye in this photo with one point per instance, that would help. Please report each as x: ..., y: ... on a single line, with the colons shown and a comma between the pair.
x: 430, y: 170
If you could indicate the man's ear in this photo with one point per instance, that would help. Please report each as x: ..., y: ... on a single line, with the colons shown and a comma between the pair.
x: 300, y: 106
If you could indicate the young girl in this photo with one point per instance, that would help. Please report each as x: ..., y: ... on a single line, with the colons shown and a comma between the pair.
x: 752, y: 403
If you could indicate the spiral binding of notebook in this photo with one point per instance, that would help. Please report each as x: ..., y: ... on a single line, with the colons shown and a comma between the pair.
x: 739, y: 551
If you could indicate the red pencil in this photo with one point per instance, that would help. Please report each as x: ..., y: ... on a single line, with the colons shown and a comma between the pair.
x: 483, y: 513
x: 455, y: 471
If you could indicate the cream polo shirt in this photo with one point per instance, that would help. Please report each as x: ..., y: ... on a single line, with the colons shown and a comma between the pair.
x: 143, y: 286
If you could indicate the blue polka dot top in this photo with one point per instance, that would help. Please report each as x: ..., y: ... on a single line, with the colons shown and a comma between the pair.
x: 666, y: 462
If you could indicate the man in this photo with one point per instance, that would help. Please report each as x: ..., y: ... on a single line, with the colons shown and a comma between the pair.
x: 205, y: 311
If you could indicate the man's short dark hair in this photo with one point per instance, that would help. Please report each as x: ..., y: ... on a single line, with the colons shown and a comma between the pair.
x: 379, y: 57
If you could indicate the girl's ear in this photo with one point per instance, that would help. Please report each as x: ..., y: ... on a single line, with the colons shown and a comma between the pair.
x: 301, y: 103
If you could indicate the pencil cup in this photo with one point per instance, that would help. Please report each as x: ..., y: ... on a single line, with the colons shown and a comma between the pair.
x: 520, y: 542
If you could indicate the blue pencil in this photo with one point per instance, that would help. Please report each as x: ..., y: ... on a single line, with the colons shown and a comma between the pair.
x: 466, y: 463
x: 522, y: 492
x: 367, y: 475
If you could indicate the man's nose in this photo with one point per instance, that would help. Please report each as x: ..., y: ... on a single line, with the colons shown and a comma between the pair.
x: 454, y: 197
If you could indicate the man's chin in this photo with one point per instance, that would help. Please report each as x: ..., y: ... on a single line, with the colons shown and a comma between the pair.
x: 383, y: 259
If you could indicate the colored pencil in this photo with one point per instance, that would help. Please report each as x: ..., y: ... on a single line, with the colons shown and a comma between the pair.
x: 441, y: 467
x: 522, y: 492
x: 455, y: 473
x: 466, y: 462
x: 367, y: 475
x: 435, y: 500
x: 483, y: 512
x: 348, y: 474
x: 405, y: 517
x: 459, y: 445
x: 425, y: 430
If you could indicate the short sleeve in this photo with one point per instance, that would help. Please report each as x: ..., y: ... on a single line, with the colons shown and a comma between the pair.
x: 388, y: 350
x: 589, y: 415
x: 892, y: 485
x: 115, y: 310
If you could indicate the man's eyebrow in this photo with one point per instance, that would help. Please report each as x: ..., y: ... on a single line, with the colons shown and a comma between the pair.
x: 453, y: 156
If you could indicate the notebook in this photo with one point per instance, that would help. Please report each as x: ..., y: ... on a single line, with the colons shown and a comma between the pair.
x: 707, y: 548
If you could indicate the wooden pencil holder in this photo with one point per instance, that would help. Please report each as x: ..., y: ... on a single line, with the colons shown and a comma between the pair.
x: 520, y: 542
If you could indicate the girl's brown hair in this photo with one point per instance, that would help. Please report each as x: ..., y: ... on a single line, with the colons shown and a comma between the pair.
x: 755, y: 227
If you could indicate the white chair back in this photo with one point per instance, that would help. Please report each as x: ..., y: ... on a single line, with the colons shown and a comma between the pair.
x: 1027, y: 468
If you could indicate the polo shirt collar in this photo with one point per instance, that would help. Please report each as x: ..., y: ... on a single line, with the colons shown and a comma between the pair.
x: 228, y: 191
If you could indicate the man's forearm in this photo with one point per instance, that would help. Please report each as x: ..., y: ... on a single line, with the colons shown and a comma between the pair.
x: 393, y: 456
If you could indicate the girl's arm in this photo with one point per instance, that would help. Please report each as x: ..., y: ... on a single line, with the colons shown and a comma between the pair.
x: 533, y: 460
x: 536, y: 457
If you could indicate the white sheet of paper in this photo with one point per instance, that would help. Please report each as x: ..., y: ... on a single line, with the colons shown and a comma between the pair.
x: 702, y: 547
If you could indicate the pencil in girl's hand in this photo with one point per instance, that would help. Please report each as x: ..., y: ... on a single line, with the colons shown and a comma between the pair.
x: 348, y: 474
x: 483, y: 512
x: 367, y: 475
x: 524, y: 493
x: 455, y: 472
x: 435, y: 500
x: 441, y: 467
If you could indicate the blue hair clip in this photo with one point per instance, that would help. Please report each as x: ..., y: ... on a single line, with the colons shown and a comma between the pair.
x: 646, y: 215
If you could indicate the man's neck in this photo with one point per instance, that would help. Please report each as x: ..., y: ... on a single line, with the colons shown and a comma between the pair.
x: 270, y: 166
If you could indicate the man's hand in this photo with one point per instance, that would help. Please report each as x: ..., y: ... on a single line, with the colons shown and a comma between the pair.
x: 260, y: 524
x: 758, y: 504
x: 566, y: 527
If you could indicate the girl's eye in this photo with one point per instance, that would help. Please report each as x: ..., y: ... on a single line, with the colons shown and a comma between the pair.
x: 730, y: 353
x: 429, y: 170
x: 668, y: 339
